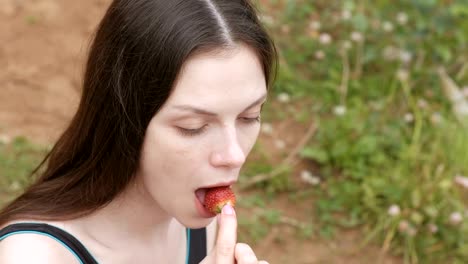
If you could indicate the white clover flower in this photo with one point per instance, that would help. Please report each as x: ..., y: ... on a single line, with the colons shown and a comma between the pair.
x: 436, y: 118
x: 325, y: 38
x: 5, y: 139
x: 455, y: 218
x: 267, y: 128
x: 455, y: 95
x: 403, y: 226
x: 387, y: 26
x: 405, y: 56
x: 422, y: 103
x: 15, y: 186
x: 390, y: 53
x: 319, y: 55
x: 412, y: 231
x: 408, y: 117
x: 266, y: 19
x: 402, y: 75
x: 432, y: 228
x: 280, y: 144
x: 406, y: 228
x: 315, y: 25
x: 394, y: 210
x: 357, y: 36
x: 346, y: 14
x: 461, y: 109
x: 339, y: 110
x: 402, y: 18
x: 283, y: 98
x: 347, y: 45
x: 308, y: 177
x: 462, y: 181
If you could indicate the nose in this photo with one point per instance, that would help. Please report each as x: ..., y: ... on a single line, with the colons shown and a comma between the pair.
x: 228, y: 153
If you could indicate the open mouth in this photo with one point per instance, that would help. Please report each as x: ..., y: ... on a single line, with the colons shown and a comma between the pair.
x: 201, y: 192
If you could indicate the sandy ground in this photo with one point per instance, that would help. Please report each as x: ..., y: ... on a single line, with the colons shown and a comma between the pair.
x: 43, y: 46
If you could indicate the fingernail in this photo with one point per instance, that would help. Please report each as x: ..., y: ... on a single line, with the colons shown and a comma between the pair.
x: 228, y: 210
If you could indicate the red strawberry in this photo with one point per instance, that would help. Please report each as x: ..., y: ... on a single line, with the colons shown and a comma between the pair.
x: 217, y: 197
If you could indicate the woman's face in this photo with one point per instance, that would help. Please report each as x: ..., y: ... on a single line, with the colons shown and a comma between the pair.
x: 203, y: 133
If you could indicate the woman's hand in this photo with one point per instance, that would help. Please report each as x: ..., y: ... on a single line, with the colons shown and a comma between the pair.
x: 226, y: 249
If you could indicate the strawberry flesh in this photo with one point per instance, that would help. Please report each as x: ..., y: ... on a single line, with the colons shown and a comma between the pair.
x: 217, y: 197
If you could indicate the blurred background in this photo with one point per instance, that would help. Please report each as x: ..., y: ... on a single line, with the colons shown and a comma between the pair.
x: 363, y: 153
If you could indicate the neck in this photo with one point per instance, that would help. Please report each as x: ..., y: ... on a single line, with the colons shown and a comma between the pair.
x: 133, y: 215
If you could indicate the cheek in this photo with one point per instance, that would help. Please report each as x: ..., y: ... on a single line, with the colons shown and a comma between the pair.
x: 249, y: 137
x: 166, y: 171
x: 167, y: 159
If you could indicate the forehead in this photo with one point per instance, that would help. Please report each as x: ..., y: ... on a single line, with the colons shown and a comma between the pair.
x: 230, y: 77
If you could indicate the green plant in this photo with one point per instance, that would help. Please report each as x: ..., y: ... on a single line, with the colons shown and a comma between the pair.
x: 17, y: 160
x: 389, y: 142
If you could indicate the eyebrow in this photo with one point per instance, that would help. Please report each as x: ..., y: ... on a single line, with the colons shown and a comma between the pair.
x: 205, y: 112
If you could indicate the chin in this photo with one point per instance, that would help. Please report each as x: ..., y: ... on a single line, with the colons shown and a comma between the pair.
x: 197, y: 222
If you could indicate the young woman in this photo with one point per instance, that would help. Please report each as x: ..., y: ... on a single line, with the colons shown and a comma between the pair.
x: 171, y: 105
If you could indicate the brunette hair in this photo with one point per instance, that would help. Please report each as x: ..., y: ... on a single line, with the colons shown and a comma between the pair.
x: 133, y: 62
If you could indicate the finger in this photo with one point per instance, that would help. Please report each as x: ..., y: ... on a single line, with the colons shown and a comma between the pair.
x: 227, y: 236
x: 244, y: 254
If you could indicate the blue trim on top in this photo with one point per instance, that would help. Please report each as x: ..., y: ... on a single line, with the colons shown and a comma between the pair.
x: 188, y: 247
x: 187, y: 258
x: 44, y: 234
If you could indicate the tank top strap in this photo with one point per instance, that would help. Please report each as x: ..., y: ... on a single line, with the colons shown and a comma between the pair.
x: 61, y: 236
x: 196, y: 245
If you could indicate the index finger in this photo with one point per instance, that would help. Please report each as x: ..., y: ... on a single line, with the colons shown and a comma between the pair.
x: 227, y: 236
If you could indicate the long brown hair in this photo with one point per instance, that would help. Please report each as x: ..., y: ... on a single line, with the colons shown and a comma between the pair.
x: 133, y: 62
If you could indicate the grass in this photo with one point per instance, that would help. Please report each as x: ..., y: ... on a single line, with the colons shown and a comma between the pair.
x: 384, y: 78
x: 17, y: 160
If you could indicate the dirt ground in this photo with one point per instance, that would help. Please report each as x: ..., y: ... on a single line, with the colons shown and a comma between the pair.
x: 43, y: 45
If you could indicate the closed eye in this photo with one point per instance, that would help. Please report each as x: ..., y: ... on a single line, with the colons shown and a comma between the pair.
x: 250, y: 120
x: 198, y: 131
x: 191, y: 132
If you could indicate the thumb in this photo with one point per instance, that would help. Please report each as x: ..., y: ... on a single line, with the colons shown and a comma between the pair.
x: 223, y: 252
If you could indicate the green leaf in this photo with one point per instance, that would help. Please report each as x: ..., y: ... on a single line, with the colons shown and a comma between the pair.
x: 360, y: 22
x: 316, y: 154
x: 444, y: 52
x: 459, y: 9
x: 463, y: 250
x: 272, y: 216
x: 349, y: 5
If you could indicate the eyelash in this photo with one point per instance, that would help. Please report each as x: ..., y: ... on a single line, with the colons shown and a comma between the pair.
x: 248, y: 120
x: 191, y: 132
x: 197, y: 131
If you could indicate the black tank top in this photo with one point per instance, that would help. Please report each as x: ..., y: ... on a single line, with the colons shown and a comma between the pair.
x: 196, y: 239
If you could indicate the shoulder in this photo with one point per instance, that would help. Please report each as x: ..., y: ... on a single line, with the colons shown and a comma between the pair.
x: 34, y: 248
